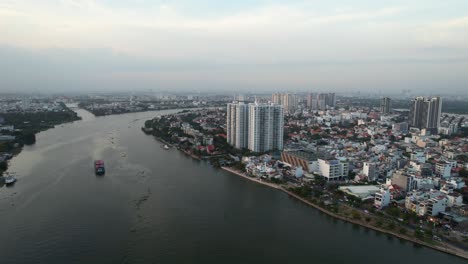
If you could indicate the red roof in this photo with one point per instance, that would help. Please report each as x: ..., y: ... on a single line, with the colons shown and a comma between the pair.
x: 210, y: 148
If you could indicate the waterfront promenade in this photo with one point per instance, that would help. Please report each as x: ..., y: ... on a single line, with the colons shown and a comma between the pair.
x: 445, y: 248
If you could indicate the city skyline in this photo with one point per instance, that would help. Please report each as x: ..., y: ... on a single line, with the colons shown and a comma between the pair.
x: 251, y: 46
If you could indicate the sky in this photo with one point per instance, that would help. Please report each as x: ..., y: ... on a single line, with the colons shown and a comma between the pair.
x: 244, y: 45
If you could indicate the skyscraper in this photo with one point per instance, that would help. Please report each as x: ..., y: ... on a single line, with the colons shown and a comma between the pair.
x: 288, y: 101
x: 425, y: 112
x: 26, y: 103
x: 237, y: 124
x: 321, y: 101
x: 330, y: 100
x: 385, y: 105
x: 434, y: 112
x: 258, y: 127
x: 231, y: 117
x: 265, y: 127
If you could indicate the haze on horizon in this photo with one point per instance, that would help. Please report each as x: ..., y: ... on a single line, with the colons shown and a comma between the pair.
x: 247, y: 45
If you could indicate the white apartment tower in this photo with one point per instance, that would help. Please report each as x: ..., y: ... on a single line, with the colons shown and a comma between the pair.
x: 265, y: 127
x: 237, y: 125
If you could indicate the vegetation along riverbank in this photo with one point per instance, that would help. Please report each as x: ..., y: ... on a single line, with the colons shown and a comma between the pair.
x: 20, y: 128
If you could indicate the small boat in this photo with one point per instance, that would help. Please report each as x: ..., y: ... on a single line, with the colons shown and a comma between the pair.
x: 9, y: 179
x: 166, y: 147
x: 99, y: 168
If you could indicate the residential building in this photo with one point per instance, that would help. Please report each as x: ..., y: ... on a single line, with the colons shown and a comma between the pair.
x: 237, y: 124
x: 385, y: 105
x: 321, y: 101
x: 382, y: 197
x: 426, y: 203
x: 333, y: 169
x: 400, y: 128
x: 403, y: 180
x: 288, y: 101
x: 265, y: 127
x: 433, y: 206
x: 369, y: 169
x: 454, y: 199
x: 443, y: 169
x: 258, y: 127
x: 425, y: 113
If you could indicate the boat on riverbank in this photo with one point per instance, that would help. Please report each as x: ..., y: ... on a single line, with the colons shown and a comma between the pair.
x: 9, y: 179
x: 166, y: 147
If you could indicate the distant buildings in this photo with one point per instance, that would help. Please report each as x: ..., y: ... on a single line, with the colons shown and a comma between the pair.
x: 385, y: 105
x: 321, y: 101
x: 400, y: 128
x: 26, y: 103
x: 258, y: 127
x: 425, y: 113
x: 288, y: 101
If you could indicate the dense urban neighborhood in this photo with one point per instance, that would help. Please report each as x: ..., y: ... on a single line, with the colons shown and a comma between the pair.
x: 402, y: 172
x: 398, y: 171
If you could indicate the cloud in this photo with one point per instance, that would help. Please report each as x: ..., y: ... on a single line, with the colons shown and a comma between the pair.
x: 92, y: 44
x: 73, y: 23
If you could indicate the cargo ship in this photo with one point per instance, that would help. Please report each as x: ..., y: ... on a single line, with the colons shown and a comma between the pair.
x: 99, y: 167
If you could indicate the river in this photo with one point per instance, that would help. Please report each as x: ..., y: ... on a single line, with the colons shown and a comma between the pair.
x: 159, y: 206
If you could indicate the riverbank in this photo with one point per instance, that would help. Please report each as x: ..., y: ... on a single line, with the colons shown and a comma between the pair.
x: 342, y: 211
x: 448, y: 249
x: 25, y: 126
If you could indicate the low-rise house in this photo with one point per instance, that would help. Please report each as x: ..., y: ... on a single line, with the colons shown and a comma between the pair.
x: 382, y: 197
x: 454, y: 199
x: 333, y: 169
x: 425, y: 203
x: 443, y: 169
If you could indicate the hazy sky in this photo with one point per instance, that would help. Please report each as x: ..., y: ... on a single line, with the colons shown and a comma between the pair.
x: 72, y: 45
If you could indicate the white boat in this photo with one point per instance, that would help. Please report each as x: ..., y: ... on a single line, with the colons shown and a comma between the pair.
x: 9, y: 179
x: 166, y: 147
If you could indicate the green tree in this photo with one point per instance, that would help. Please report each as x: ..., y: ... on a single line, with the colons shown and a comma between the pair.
x: 148, y: 123
x: 3, y: 166
x: 239, y: 166
x: 393, y: 211
x: 29, y: 138
x: 463, y: 173
x: 356, y: 215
